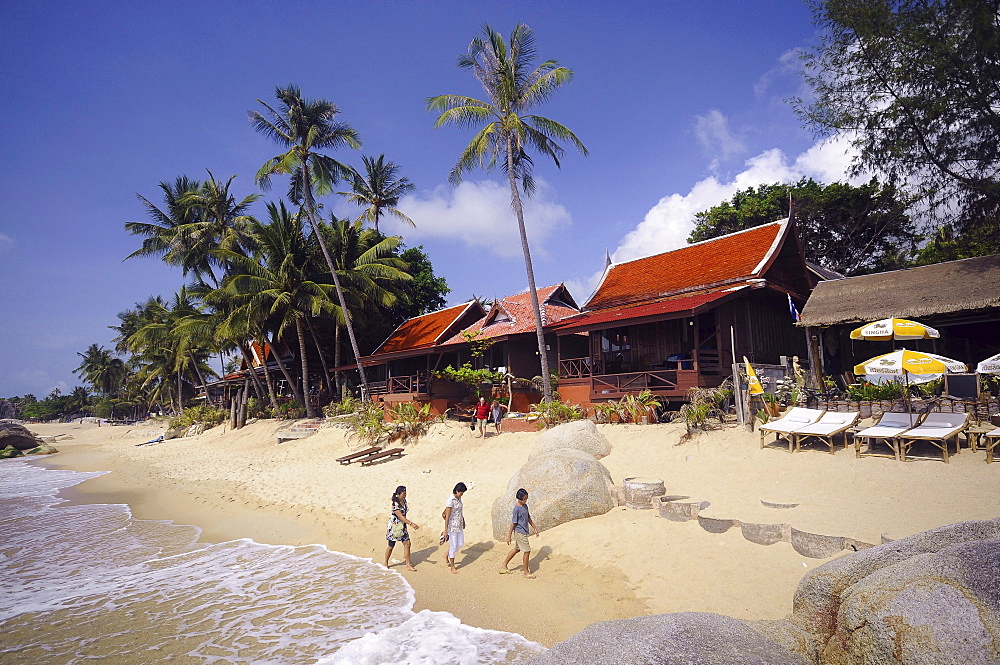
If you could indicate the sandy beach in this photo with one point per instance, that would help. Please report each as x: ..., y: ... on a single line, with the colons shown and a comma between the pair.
x: 625, y: 563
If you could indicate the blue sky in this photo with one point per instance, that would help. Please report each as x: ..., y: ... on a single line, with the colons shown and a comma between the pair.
x: 679, y: 103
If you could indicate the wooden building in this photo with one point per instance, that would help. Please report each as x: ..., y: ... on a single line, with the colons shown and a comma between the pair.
x: 961, y: 299
x: 669, y: 322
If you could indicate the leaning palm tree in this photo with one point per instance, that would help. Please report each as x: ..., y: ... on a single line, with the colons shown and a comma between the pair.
x: 512, y: 87
x: 378, y: 190
x: 101, y: 369
x: 305, y: 127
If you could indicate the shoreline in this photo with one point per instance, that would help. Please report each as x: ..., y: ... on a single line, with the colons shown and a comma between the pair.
x: 626, y: 563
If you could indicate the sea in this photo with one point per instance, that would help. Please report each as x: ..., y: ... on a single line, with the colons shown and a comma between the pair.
x: 92, y: 584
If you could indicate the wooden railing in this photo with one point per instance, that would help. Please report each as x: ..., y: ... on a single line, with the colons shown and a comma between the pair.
x: 663, y: 380
x: 400, y: 384
x: 575, y: 368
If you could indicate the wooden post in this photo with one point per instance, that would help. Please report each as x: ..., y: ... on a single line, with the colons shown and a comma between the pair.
x: 815, y: 358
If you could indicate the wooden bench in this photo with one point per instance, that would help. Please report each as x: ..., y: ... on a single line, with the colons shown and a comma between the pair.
x: 385, y: 454
x: 347, y: 459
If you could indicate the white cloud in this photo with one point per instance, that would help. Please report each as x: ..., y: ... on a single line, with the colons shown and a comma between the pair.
x: 6, y: 242
x: 479, y: 214
x: 713, y: 133
x: 667, y: 224
x: 789, y: 64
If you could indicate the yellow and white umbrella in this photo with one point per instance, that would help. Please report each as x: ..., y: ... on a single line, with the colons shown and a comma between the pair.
x: 989, y: 366
x: 887, y: 329
x: 913, y: 366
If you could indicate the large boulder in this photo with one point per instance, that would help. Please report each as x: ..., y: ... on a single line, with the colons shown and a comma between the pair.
x: 578, y: 435
x: 930, y: 598
x: 17, y: 436
x: 669, y: 639
x: 42, y: 449
x: 10, y: 452
x: 563, y: 485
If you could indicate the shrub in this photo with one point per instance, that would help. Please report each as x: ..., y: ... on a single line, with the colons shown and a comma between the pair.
x: 345, y: 406
x: 409, y: 422
x: 368, y: 423
x: 204, y: 414
x: 702, y: 405
x: 604, y: 410
x: 873, y: 392
x: 290, y: 410
x: 473, y: 378
x: 556, y: 413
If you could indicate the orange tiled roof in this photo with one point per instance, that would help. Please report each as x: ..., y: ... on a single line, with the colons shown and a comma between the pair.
x: 737, y: 256
x: 422, y: 331
x: 684, y: 303
x: 521, y: 318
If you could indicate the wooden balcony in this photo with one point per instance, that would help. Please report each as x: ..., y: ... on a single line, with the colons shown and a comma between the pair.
x: 396, y: 385
x: 668, y: 383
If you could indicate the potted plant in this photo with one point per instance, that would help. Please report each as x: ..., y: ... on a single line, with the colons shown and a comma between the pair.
x: 771, y: 404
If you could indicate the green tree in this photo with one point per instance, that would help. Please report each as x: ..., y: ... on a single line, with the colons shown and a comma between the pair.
x: 167, y: 234
x: 913, y: 83
x: 101, y: 369
x: 378, y: 190
x: 426, y: 292
x: 305, y: 127
x: 853, y: 230
x: 512, y: 86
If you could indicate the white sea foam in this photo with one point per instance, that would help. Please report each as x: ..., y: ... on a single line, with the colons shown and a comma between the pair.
x: 89, y: 582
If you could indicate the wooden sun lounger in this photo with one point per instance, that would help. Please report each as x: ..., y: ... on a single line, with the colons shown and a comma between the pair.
x: 937, y: 429
x: 830, y: 425
x: 796, y: 418
x: 989, y: 441
x: 347, y: 459
x: 888, y: 428
x: 385, y: 454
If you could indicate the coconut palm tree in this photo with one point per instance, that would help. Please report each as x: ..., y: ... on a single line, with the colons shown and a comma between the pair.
x: 512, y: 87
x: 101, y: 369
x: 280, y: 284
x: 305, y: 127
x: 167, y: 235
x: 378, y: 190
x: 368, y: 267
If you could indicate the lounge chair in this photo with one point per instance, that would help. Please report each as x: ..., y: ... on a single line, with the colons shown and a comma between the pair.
x: 347, y: 459
x: 830, y: 425
x: 796, y: 418
x: 888, y: 428
x: 989, y: 441
x: 936, y: 429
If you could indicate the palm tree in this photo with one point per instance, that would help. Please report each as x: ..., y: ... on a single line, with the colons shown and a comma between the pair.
x: 371, y: 273
x: 378, y: 190
x: 512, y: 87
x: 101, y: 369
x: 279, y: 284
x: 304, y: 127
x: 167, y: 235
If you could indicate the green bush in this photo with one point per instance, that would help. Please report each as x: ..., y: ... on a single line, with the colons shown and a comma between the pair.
x: 345, y: 406
x: 290, y: 411
x: 874, y: 392
x: 556, y: 413
x: 203, y: 414
x: 702, y: 405
x: 409, y: 422
x: 368, y: 423
x: 473, y: 378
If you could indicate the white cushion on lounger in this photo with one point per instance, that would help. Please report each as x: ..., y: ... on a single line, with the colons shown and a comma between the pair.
x: 796, y: 418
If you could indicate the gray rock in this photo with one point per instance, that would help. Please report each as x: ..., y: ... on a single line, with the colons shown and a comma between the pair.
x: 688, y: 638
x: 43, y: 449
x: 930, y: 598
x: 9, y: 452
x: 577, y: 435
x: 562, y: 485
x: 16, y: 436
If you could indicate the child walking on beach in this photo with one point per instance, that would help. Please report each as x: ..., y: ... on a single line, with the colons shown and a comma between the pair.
x: 519, y: 523
x: 454, y: 524
x: 396, y: 532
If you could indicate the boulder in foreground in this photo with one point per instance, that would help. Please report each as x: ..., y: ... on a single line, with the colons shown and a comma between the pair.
x: 17, y: 436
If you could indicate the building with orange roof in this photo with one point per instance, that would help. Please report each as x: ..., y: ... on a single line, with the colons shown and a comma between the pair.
x: 669, y: 322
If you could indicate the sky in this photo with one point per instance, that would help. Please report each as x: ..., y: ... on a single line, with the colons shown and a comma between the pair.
x: 680, y: 104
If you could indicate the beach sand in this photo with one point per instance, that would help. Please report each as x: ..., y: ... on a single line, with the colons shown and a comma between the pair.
x: 242, y: 484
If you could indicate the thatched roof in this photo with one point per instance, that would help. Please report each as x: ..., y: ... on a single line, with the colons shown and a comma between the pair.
x: 942, y: 288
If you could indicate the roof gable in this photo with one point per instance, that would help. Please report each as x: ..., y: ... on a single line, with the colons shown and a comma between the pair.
x: 727, y: 259
x: 556, y: 303
x: 430, y: 329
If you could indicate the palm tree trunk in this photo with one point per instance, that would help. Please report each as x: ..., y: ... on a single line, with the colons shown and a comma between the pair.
x: 311, y: 214
x: 180, y: 401
x: 268, y: 378
x: 197, y: 371
x: 292, y: 384
x: 307, y: 398
x: 253, y: 373
x: 515, y: 199
x: 322, y: 358
x: 337, y: 378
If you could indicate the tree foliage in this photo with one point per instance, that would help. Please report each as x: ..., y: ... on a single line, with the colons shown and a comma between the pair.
x: 853, y: 230
x: 913, y: 83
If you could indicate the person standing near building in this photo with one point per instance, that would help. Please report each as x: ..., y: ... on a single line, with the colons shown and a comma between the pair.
x: 454, y: 525
x: 482, y: 414
x: 496, y: 413
x: 520, y: 521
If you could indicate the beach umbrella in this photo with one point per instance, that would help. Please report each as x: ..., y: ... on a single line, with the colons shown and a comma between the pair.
x: 913, y: 366
x: 989, y: 366
x: 892, y: 329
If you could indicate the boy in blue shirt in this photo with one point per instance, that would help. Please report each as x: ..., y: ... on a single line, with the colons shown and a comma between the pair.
x: 520, y: 521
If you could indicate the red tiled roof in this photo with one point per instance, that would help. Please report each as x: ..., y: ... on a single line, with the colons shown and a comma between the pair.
x: 670, y: 306
x: 521, y: 317
x: 737, y: 256
x: 422, y: 331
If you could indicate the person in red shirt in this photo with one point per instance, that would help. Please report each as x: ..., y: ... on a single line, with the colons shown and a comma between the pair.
x: 482, y: 413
